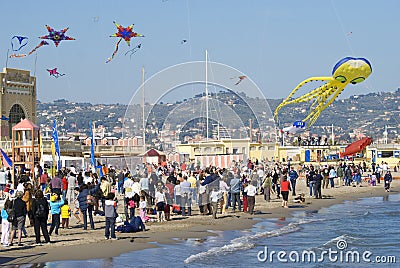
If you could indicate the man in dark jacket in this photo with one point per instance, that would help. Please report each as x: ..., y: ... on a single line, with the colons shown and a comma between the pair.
x: 40, y: 212
x: 317, y: 184
x: 19, y: 206
x: 84, y: 206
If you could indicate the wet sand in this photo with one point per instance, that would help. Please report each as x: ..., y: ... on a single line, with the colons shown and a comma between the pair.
x: 78, y: 244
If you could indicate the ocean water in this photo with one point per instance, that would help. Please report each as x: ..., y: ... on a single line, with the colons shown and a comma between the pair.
x: 361, y: 233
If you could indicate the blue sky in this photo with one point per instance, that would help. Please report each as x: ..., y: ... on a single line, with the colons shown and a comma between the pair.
x: 276, y: 43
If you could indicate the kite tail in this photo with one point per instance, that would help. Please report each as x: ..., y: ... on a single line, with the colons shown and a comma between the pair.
x: 115, y: 51
x: 17, y: 55
x: 43, y: 43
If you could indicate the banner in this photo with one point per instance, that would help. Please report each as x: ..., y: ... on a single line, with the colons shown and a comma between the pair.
x: 56, y: 145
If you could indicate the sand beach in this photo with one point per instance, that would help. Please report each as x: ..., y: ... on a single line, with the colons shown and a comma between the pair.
x: 78, y: 244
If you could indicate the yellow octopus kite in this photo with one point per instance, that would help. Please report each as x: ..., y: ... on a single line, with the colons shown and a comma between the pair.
x: 347, y: 70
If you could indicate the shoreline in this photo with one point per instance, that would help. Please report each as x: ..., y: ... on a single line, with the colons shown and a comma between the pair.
x: 69, y: 245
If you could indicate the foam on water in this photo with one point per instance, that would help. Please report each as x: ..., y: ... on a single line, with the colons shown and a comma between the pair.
x: 247, y: 241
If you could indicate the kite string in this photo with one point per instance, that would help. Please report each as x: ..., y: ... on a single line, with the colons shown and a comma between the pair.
x: 215, y: 103
x: 342, y: 27
x: 189, y: 28
x: 379, y: 100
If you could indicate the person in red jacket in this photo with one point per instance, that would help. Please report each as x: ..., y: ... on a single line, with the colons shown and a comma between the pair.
x: 285, y: 188
x: 64, y: 186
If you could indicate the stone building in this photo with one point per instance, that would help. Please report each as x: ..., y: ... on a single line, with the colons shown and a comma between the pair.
x: 17, y: 99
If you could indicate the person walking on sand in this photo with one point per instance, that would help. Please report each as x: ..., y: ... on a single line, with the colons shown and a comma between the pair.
x: 293, y: 177
x: 340, y: 175
x: 55, y: 210
x: 160, y: 203
x: 332, y: 176
x: 235, y: 189
x: 72, y: 183
x: 310, y: 180
x: 285, y: 188
x: 317, y: 184
x: 40, y: 211
x: 267, y: 187
x: 251, y: 191
x: 5, y: 225
x: 19, y: 206
x: 76, y: 212
x: 65, y: 215
x: 186, y: 200
x: 215, y: 197
x: 110, y: 213
x: 325, y: 180
x: 387, y: 180
x: 85, y: 205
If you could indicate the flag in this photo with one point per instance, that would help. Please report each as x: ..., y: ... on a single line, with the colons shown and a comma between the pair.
x: 6, y: 160
x: 41, y: 150
x: 56, y: 145
x: 53, y: 157
x: 5, y: 118
x: 93, y: 160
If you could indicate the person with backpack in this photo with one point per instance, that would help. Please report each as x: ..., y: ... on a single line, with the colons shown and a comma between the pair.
x: 55, y: 209
x: 85, y: 198
x: 40, y: 212
x: 18, y: 222
x: 111, y: 214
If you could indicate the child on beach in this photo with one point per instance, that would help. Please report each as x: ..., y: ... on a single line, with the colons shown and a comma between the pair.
x: 142, y: 208
x: 65, y: 214
x: 160, y: 204
x: 55, y: 208
x: 111, y: 214
x: 131, y: 207
x: 5, y: 225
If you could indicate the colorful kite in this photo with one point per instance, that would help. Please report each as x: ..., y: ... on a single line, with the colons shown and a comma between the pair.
x: 56, y: 36
x: 298, y: 126
x: 54, y: 72
x: 18, y: 42
x: 241, y: 78
x: 133, y: 50
x: 123, y: 33
x: 347, y: 70
x: 42, y: 43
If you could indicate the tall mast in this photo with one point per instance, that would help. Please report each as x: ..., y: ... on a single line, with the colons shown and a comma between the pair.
x: 206, y: 95
x: 143, y: 121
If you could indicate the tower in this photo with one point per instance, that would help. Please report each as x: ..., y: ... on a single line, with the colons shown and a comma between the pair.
x: 17, y: 99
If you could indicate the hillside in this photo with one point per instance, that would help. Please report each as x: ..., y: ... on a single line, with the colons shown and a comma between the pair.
x: 367, y: 114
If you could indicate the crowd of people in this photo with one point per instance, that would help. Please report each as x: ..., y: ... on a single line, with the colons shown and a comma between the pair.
x: 159, y: 191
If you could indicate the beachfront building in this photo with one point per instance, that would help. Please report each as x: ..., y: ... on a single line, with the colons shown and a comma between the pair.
x: 17, y: 99
x: 389, y: 153
x: 223, y: 152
